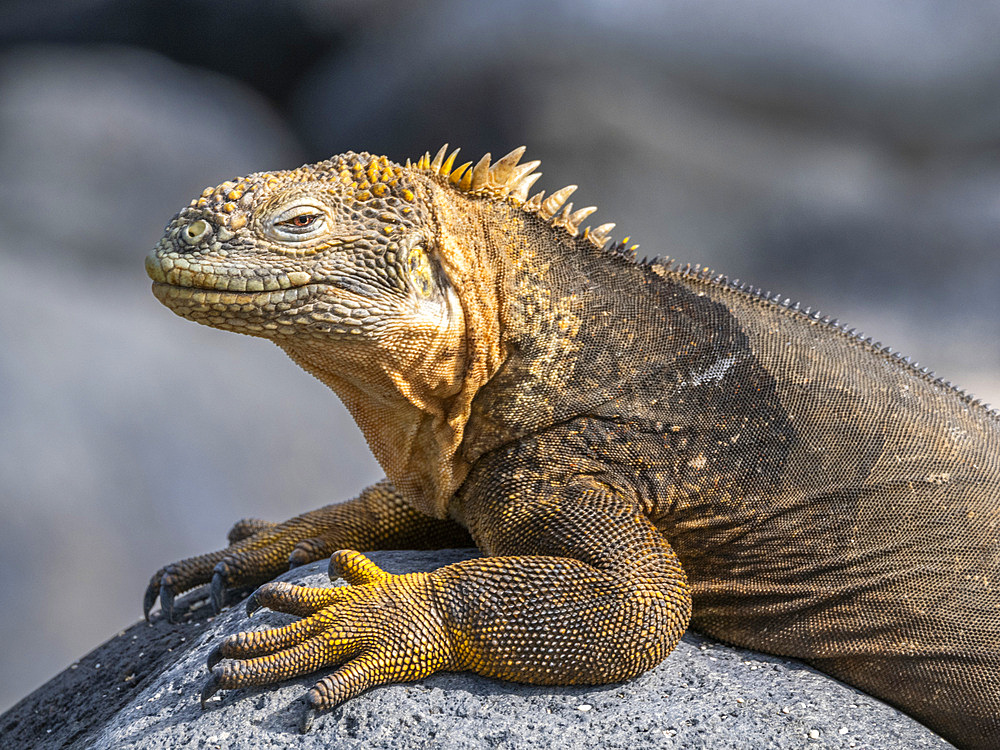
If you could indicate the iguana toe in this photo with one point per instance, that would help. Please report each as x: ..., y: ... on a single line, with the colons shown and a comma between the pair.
x: 306, y: 722
x: 212, y: 686
x: 253, y: 604
x: 308, y: 550
x: 246, y: 528
x: 247, y: 645
x: 151, y: 595
x: 218, y: 594
x: 167, y: 602
x: 291, y: 599
x: 214, y: 656
x: 173, y: 580
x: 355, y: 568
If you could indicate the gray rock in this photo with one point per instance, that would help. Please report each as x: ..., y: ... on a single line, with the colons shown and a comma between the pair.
x: 141, y: 690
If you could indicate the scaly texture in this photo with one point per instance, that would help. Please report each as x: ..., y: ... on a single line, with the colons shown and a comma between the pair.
x: 631, y: 445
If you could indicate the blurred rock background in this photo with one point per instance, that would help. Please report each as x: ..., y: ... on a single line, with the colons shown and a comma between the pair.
x: 845, y: 155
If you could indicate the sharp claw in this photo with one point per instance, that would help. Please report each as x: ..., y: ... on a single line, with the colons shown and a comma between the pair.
x: 252, y: 604
x: 301, y: 555
x: 210, y: 689
x: 218, y: 592
x: 167, y: 602
x: 311, y: 711
x: 214, y: 657
x: 305, y: 724
x: 152, y: 590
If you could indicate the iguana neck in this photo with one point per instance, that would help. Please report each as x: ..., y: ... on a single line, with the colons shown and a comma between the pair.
x: 411, y: 392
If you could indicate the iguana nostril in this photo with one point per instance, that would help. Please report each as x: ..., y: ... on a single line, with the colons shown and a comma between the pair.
x: 195, y: 231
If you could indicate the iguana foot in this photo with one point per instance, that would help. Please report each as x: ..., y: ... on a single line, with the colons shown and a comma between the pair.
x: 258, y: 551
x: 381, y: 628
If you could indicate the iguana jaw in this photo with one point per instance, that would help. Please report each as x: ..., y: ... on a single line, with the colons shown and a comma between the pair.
x: 178, y: 271
x: 268, y: 314
x: 223, y: 300
x: 263, y: 314
x: 223, y: 290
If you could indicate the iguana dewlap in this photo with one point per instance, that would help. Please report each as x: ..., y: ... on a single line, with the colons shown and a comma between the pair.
x: 631, y: 445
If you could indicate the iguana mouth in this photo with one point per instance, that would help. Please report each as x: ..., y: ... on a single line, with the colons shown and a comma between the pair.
x: 181, y: 273
x: 167, y: 292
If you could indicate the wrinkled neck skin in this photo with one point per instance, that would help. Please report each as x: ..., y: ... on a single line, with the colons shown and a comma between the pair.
x: 411, y: 386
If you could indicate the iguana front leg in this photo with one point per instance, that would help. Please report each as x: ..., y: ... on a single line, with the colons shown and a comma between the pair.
x: 583, y: 590
x: 258, y: 551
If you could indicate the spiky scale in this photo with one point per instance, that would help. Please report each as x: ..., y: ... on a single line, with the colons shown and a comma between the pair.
x: 578, y: 216
x: 599, y: 236
x: 446, y: 167
x: 438, y: 160
x: 456, y: 176
x: 520, y: 190
x: 555, y: 201
x: 502, y: 170
x: 480, y: 174
x: 516, y: 174
x: 465, y: 184
x: 535, y: 202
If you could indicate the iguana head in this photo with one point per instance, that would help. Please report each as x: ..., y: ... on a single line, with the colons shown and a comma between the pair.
x: 337, y: 249
x: 383, y: 280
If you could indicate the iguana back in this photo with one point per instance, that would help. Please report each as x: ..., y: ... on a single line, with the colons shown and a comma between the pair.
x: 875, y: 556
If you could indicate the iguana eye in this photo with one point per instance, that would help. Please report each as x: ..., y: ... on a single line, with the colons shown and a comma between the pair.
x: 298, y: 223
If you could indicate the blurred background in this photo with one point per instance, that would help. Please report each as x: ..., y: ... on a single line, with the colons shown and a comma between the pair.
x: 846, y: 156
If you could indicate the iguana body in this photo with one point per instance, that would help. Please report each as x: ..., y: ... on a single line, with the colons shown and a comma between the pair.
x: 620, y: 439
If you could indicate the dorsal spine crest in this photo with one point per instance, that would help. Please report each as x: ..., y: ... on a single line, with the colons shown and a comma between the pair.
x: 509, y: 179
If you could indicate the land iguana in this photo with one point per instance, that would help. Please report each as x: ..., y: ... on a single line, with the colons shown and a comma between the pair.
x: 631, y: 445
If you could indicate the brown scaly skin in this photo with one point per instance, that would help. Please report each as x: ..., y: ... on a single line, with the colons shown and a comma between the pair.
x: 630, y: 445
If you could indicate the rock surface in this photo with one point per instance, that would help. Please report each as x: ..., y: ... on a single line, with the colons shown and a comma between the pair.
x: 140, y: 690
